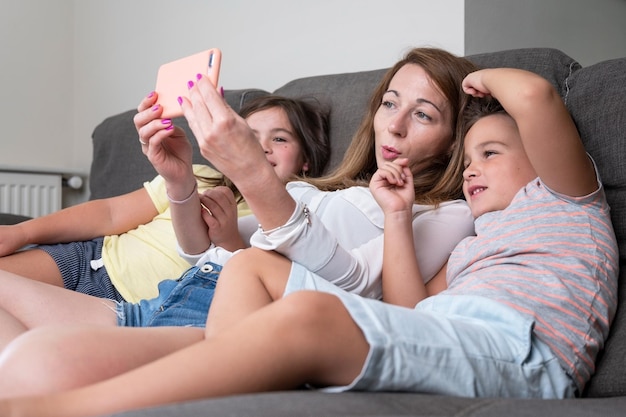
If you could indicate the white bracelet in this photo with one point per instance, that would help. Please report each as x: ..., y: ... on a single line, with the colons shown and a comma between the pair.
x: 172, y: 201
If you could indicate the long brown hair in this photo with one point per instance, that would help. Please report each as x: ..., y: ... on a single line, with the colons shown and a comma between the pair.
x: 433, y: 184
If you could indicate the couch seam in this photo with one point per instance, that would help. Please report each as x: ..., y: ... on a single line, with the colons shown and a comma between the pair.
x: 567, y: 86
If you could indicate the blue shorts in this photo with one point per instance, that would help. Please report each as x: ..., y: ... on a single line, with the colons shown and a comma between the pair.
x: 448, y: 344
x: 181, y: 302
x: 74, y: 262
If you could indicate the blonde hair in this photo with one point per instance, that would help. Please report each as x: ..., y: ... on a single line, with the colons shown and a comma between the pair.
x: 434, y: 184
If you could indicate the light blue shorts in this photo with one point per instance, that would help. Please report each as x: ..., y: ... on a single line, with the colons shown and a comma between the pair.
x: 448, y: 344
x: 181, y: 302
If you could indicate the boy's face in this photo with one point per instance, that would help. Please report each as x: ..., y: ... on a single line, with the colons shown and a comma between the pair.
x: 496, y: 164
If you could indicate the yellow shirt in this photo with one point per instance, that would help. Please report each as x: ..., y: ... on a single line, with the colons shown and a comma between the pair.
x: 139, y: 259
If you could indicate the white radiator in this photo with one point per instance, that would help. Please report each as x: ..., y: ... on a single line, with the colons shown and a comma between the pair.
x: 30, y: 194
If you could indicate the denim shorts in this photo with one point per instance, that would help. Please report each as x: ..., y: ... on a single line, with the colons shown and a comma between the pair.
x: 74, y: 261
x: 460, y: 345
x: 181, y: 302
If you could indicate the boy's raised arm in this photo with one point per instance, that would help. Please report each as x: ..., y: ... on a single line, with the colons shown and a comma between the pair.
x: 547, y: 130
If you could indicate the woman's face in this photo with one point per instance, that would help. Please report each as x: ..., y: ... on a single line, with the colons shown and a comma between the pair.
x: 277, y: 138
x: 414, y: 120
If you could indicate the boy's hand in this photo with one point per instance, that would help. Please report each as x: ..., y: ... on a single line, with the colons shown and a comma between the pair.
x: 473, y: 84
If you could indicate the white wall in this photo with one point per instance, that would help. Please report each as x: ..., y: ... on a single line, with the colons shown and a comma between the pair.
x: 68, y: 64
x: 37, y: 107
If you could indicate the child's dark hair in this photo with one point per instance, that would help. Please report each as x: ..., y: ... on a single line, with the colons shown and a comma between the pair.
x: 472, y: 110
x: 310, y: 123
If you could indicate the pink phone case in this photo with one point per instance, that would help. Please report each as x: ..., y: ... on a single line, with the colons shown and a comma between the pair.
x: 172, y: 78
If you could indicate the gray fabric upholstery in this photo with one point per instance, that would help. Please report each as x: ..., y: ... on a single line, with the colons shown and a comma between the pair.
x: 305, y: 404
x: 596, y: 98
x: 7, y: 218
x: 597, y: 102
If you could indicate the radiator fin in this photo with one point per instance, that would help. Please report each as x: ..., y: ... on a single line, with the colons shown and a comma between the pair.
x: 30, y: 194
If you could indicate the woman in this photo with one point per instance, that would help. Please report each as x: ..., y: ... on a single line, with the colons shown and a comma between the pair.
x: 413, y: 114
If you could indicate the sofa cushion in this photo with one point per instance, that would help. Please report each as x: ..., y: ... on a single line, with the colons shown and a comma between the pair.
x: 597, y: 102
x: 552, y: 64
x: 8, y: 218
x: 381, y: 404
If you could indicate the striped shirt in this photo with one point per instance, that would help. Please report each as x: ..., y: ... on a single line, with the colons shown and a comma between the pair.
x: 553, y: 258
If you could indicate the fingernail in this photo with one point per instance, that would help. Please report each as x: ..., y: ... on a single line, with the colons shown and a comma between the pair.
x: 170, y: 127
x: 198, y: 76
x: 222, y: 91
x: 166, y: 121
x: 151, y: 94
x: 189, y: 84
x: 180, y: 100
x: 155, y: 107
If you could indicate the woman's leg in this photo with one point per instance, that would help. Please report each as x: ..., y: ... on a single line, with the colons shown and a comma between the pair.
x: 54, y: 358
x: 33, y: 304
x: 307, y: 337
x: 250, y: 280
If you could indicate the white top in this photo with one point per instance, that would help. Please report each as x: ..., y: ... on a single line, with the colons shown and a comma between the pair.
x: 339, y: 236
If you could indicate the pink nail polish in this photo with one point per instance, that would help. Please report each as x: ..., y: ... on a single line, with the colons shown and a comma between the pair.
x: 151, y: 94
x: 198, y: 76
x: 180, y: 100
x: 222, y: 91
x: 170, y: 127
x: 155, y: 107
x: 190, y: 84
x: 166, y: 121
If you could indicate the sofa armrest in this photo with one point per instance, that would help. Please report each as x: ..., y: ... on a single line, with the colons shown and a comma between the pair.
x: 7, y: 218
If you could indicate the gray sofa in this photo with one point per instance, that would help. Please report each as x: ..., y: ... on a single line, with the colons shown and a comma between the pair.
x: 596, y: 98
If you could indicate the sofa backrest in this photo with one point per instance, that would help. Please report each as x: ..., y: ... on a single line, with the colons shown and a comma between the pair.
x: 596, y: 99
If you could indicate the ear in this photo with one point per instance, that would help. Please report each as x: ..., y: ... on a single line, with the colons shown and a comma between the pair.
x: 305, y: 167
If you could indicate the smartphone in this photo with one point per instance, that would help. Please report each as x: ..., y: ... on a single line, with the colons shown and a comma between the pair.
x: 172, y: 78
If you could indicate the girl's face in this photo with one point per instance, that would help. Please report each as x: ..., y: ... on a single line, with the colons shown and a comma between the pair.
x: 277, y: 138
x: 496, y: 164
x: 414, y: 120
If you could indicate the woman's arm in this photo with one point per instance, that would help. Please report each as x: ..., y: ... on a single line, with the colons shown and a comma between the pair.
x: 227, y: 141
x: 392, y: 187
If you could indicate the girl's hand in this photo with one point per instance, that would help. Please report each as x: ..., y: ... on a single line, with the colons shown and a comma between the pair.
x: 165, y: 145
x: 473, y: 84
x: 392, y: 186
x: 219, y: 212
x: 11, y: 239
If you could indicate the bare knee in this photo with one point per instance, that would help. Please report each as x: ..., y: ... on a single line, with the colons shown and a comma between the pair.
x: 268, y: 267
x: 319, y: 327
x: 31, y: 365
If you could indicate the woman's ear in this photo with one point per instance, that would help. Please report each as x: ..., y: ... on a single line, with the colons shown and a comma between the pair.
x: 305, y: 167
